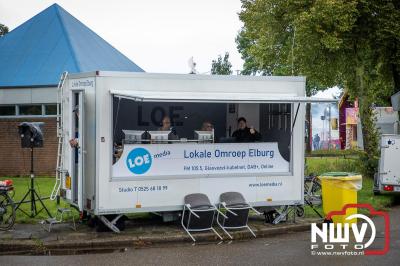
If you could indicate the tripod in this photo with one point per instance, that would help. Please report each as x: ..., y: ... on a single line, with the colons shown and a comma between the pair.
x: 34, y: 196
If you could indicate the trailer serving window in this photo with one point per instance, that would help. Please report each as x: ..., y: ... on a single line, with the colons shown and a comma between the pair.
x: 171, y: 134
x: 137, y: 122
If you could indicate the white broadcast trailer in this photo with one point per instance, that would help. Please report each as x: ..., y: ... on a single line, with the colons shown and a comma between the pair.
x: 106, y: 174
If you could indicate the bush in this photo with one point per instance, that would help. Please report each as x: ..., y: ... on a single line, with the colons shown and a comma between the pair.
x: 368, y: 164
x: 320, y: 165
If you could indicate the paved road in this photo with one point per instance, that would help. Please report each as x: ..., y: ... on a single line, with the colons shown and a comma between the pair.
x: 293, y: 248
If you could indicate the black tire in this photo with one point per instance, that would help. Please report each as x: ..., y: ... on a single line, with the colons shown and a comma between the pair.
x: 101, y: 227
x: 270, y: 216
x: 92, y: 221
x: 376, y: 185
x: 316, y: 188
x: 7, y: 212
x: 121, y: 223
x: 300, y: 211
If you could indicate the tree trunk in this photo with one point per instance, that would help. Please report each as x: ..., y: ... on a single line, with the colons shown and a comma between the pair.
x: 361, y: 102
x: 396, y: 78
x: 369, y: 133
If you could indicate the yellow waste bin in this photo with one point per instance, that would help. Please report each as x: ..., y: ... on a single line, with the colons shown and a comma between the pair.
x: 339, y: 189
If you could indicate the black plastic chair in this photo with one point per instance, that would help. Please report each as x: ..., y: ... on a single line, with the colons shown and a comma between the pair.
x: 198, y: 214
x: 236, y: 212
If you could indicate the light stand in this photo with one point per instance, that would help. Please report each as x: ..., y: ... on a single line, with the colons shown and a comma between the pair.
x: 34, y: 196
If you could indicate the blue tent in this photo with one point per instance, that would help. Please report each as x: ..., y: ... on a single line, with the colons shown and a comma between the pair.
x: 38, y: 51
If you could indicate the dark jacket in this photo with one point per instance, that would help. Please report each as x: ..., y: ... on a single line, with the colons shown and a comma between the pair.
x: 244, y: 135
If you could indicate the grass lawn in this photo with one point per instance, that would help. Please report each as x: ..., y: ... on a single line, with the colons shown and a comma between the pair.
x: 320, y: 165
x: 44, y: 186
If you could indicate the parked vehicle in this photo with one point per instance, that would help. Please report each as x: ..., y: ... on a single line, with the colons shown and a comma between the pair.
x: 7, y: 206
x: 387, y: 179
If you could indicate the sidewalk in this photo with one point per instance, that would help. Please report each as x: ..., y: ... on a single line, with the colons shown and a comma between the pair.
x: 32, y: 238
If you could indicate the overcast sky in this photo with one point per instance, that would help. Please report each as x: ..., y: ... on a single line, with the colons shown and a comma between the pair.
x: 159, y: 36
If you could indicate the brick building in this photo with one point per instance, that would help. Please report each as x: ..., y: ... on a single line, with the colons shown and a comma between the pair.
x: 32, y: 58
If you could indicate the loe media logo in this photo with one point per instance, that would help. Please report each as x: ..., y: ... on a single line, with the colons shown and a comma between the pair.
x: 139, y: 161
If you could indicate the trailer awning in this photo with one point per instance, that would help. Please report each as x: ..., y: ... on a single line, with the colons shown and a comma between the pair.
x: 222, y: 97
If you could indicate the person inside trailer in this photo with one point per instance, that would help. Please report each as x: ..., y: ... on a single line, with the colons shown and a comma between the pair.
x: 207, y: 126
x: 166, y: 126
x: 74, y: 141
x: 244, y: 133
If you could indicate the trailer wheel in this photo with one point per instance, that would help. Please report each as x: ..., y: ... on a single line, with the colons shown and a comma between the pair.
x: 376, y: 185
x: 121, y: 223
x: 300, y: 211
x: 270, y: 215
x: 92, y: 221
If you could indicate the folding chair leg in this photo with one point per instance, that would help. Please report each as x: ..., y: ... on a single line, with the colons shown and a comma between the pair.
x: 192, y: 237
x: 251, y: 231
x: 226, y: 232
x: 220, y: 225
x: 220, y: 237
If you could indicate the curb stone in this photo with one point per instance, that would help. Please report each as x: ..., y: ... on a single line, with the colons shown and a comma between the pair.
x: 123, y: 241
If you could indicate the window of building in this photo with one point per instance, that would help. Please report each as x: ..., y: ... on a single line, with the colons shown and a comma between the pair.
x: 30, y: 110
x: 7, y: 110
x: 50, y: 109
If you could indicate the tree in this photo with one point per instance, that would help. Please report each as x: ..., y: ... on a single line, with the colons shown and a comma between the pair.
x: 353, y: 44
x: 221, y: 66
x: 3, y: 29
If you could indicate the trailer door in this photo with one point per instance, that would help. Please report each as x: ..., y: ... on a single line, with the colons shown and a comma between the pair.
x: 78, y: 151
x: 81, y: 151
